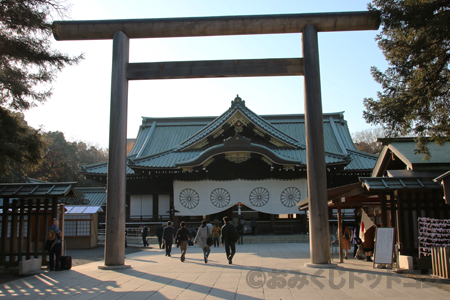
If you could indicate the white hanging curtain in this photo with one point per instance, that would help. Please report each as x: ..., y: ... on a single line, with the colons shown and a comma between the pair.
x: 272, y: 196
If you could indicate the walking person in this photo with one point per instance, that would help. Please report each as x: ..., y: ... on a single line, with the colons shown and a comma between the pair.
x: 203, y: 233
x: 55, y: 234
x: 144, y: 232
x: 253, y: 225
x: 240, y: 229
x: 216, y: 235
x: 182, y: 238
x: 229, y: 239
x: 159, y: 234
x: 168, y: 234
x: 346, y: 239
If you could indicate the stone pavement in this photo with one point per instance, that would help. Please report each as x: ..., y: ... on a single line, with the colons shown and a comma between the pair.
x: 259, y: 271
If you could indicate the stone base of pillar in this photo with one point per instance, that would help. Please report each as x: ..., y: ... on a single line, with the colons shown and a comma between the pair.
x: 121, y: 267
x: 320, y: 266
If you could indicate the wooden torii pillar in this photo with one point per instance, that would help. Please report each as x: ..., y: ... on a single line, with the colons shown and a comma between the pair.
x: 122, y: 30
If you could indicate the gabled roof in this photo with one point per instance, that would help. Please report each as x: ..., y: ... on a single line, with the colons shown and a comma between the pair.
x: 175, y: 142
x: 403, y: 150
x: 35, y: 190
x: 239, y: 112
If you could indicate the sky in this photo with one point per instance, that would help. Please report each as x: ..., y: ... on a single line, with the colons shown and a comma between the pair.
x: 80, y: 104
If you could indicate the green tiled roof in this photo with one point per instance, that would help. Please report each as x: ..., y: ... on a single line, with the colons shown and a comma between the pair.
x: 167, y: 142
x: 95, y: 195
x: 439, y: 154
x: 395, y: 183
x: 34, y: 190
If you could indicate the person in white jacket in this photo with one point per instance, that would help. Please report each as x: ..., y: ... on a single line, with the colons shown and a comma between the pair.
x: 202, y: 235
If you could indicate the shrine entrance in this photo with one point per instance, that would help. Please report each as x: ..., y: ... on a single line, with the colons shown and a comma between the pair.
x: 120, y: 31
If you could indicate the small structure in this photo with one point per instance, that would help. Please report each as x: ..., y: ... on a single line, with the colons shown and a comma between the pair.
x: 81, y: 226
x: 26, y: 213
x: 402, y: 191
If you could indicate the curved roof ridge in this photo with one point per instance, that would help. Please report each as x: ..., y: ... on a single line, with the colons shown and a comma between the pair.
x: 239, y: 105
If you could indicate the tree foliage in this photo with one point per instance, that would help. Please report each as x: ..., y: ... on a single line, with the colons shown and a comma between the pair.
x: 415, y: 96
x: 59, y: 160
x: 366, y: 140
x: 28, y: 66
x: 62, y: 159
x: 21, y: 147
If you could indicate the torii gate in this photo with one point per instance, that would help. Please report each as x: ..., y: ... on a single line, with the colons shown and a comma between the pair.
x: 308, y: 66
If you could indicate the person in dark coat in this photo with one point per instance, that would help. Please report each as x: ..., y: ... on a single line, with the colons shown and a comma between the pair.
x: 182, y: 238
x: 159, y: 234
x: 240, y: 229
x: 144, y: 232
x: 168, y: 235
x: 253, y: 224
x: 230, y: 246
x: 56, y: 249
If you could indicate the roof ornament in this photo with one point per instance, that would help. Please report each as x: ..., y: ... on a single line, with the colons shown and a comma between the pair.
x: 237, y: 101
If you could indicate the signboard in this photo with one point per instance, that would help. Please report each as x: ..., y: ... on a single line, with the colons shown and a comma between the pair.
x: 384, y: 246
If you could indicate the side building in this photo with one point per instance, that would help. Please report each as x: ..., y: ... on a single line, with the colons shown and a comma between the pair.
x: 238, y: 164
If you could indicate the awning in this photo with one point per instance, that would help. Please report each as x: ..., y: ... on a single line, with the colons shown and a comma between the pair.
x: 34, y: 190
x: 355, y: 195
x: 83, y: 209
x: 395, y: 183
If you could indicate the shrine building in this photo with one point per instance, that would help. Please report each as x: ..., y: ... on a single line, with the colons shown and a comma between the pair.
x: 238, y: 164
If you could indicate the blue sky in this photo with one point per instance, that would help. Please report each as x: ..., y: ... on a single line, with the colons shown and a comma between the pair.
x: 79, y: 106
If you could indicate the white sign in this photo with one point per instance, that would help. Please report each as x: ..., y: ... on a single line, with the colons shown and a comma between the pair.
x: 384, y: 246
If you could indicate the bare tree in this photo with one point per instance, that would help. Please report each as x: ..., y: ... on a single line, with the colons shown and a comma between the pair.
x: 366, y: 140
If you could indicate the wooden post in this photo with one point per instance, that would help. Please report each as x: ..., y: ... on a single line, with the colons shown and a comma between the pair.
x: 4, y: 230
x: 319, y: 232
x: 21, y: 227
x: 383, y: 211
x: 62, y: 207
x: 37, y: 227
x: 340, y: 234
x: 29, y: 226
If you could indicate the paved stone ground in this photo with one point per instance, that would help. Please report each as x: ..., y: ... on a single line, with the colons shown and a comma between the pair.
x: 81, y: 257
x: 259, y: 271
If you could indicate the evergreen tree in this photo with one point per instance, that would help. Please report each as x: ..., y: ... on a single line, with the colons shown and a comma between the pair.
x: 20, y: 147
x: 415, y: 96
x: 28, y: 65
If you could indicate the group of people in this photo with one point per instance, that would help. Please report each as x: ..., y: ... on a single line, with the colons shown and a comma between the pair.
x: 206, y: 236
x: 352, y: 237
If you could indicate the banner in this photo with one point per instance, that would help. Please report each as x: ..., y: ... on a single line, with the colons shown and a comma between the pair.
x: 366, y: 223
x: 272, y: 196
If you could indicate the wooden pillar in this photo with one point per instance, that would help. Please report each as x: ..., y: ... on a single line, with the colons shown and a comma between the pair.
x: 47, y: 224
x: 340, y: 235
x: 4, y: 230
x: 37, y: 227
x: 155, y: 202
x: 29, y: 226
x: 383, y: 211
x: 319, y: 232
x: 61, y: 227
x: 116, y: 186
x: 21, y: 228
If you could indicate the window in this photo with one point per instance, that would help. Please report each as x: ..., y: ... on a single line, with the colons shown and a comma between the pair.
x: 77, y: 225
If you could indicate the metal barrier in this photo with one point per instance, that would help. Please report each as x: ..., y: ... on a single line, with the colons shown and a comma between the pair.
x: 440, y: 259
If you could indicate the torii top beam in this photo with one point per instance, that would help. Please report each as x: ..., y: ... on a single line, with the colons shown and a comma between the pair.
x: 213, y: 26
